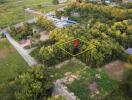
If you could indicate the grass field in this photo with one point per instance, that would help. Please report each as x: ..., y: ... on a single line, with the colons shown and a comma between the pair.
x: 71, y: 66
x: 105, y: 85
x: 12, y: 11
x: 11, y: 64
x: 87, y: 76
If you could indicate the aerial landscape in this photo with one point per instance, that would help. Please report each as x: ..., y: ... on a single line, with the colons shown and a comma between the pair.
x: 65, y: 49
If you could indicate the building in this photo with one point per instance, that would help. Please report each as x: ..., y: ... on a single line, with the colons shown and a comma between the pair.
x: 126, y: 1
x: 62, y: 1
x: 95, y: 0
x: 129, y: 51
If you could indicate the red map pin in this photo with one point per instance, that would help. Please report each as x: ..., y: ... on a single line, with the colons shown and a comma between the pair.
x: 75, y: 42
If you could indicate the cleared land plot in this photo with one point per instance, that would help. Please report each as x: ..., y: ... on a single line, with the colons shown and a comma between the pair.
x: 70, y: 66
x: 93, y: 84
x: 87, y: 76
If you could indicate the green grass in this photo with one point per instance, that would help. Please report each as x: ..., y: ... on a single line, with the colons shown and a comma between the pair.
x: 71, y: 66
x: 11, y: 64
x: 12, y: 11
x: 105, y: 85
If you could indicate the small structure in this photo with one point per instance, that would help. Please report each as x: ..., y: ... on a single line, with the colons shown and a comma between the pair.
x: 127, y: 1
x: 62, y: 1
x: 75, y: 14
x: 64, y: 18
x: 129, y: 51
x: 95, y: 0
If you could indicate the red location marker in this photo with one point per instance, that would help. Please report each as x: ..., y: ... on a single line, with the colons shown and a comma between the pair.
x: 75, y: 42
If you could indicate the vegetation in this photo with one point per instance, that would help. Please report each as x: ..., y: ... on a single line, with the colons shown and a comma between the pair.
x: 103, y: 34
x: 22, y: 32
x: 57, y: 98
x: 10, y: 68
x: 124, y: 91
x: 2, y: 1
x: 104, y: 85
x: 103, y: 42
x: 127, y: 82
x: 71, y: 66
x: 126, y: 5
x: 34, y: 84
x: 55, y: 2
x: 45, y: 24
x: 12, y: 11
x: 94, y: 38
x: 102, y: 13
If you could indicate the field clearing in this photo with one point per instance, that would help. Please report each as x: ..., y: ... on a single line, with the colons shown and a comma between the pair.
x: 10, y: 61
x: 12, y: 11
x: 11, y: 64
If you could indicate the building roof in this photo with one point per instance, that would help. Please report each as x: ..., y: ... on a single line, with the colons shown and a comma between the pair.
x: 129, y: 51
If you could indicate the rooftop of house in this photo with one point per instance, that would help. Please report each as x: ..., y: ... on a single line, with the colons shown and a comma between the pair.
x: 129, y: 51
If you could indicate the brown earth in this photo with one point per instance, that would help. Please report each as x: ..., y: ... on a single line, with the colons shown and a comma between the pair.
x: 115, y: 69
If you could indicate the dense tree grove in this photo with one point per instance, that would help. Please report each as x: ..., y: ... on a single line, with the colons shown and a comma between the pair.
x: 45, y: 24
x: 105, y: 30
x: 101, y: 12
x: 128, y: 80
x: 2, y: 1
x: 101, y: 44
x: 55, y: 2
x: 122, y: 32
x: 27, y: 30
x: 35, y: 84
x: 21, y: 32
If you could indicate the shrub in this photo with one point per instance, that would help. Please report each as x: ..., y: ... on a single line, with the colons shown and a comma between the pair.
x: 127, y: 82
x: 45, y: 24
x: 55, y: 2
x: 33, y: 84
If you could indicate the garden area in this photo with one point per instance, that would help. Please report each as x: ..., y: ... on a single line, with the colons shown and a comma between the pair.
x: 93, y: 84
x: 30, y: 35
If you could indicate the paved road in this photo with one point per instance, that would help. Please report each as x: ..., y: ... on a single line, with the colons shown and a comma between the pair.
x: 31, y: 61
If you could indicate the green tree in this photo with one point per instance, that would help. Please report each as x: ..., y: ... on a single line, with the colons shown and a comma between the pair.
x: 33, y: 84
x: 57, y: 98
x: 127, y: 82
x: 2, y: 1
x: 45, y: 24
x: 55, y: 2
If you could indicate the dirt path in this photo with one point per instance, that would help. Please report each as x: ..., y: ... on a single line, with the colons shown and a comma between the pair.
x: 31, y: 61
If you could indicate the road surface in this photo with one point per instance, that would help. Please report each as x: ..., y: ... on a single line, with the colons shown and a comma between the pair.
x: 31, y: 61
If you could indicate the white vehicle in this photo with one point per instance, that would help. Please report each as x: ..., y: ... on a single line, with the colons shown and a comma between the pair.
x: 107, y: 1
x: 61, y: 24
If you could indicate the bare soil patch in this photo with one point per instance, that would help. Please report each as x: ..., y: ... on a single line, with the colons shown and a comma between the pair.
x: 5, y: 52
x: 115, y: 69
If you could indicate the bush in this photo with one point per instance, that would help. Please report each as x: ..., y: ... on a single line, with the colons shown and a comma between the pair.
x: 127, y: 82
x: 55, y: 2
x: 21, y: 32
x: 34, y: 84
x: 52, y: 55
x: 45, y: 24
